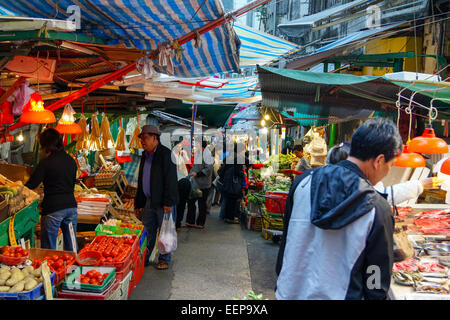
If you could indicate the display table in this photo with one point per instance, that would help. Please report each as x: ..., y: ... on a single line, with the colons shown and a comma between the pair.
x: 400, y: 292
x: 24, y: 224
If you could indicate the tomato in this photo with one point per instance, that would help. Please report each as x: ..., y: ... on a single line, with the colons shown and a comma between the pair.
x: 85, y: 281
x: 93, y: 281
x: 25, y: 253
x: 90, y: 273
x: 65, y: 257
x: 59, y: 263
x: 109, y: 259
x: 55, y: 257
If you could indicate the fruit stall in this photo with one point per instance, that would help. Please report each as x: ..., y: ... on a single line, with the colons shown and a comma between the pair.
x: 423, y: 270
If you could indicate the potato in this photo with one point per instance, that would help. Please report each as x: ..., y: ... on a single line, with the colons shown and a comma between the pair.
x: 4, y: 268
x: 18, y: 287
x: 5, y: 275
x: 25, y: 273
x: 15, y: 270
x: 15, y: 278
x: 30, y: 269
x: 30, y: 283
x: 37, y: 272
x: 4, y: 288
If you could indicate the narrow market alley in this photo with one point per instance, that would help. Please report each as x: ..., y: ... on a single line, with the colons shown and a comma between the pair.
x: 221, y: 262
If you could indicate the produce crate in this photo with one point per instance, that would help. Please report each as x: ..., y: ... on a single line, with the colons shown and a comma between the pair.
x: 122, y: 291
x: 34, y: 294
x: 107, y: 230
x: 103, y: 229
x: 71, y: 283
x: 274, y: 200
x: 15, y: 172
x: 143, y: 243
x: 88, y: 295
x: 254, y: 223
x: 36, y: 253
x: 4, y: 210
x: 138, y: 271
x: 119, y: 265
x: 24, y: 224
x: 121, y: 273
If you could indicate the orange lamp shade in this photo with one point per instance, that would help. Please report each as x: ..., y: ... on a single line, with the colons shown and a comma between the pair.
x: 409, y: 159
x: 445, y: 168
x: 428, y: 143
x: 72, y: 128
x: 34, y: 111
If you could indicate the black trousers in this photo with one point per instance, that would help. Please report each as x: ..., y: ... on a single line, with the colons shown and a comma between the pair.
x: 202, y: 208
x: 231, y: 207
x: 184, y: 188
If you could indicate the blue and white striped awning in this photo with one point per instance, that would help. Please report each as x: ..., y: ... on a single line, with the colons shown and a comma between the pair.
x: 238, y: 90
x: 260, y: 48
x: 147, y: 24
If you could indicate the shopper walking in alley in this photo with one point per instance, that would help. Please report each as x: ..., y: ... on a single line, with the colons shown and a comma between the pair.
x: 201, y: 174
x: 338, y: 236
x: 181, y: 157
x: 58, y: 173
x: 231, y: 177
x: 157, y: 188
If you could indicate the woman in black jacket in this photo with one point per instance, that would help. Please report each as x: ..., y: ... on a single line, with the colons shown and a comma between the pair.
x: 58, y: 173
x: 232, y: 177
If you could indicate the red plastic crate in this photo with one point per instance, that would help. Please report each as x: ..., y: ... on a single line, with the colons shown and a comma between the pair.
x: 122, y: 272
x: 138, y: 272
x: 276, y: 199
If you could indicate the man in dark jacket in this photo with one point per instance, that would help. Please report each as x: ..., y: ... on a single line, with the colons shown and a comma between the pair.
x: 157, y: 188
x: 338, y: 237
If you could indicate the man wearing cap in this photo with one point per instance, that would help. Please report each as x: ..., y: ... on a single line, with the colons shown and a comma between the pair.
x: 157, y: 188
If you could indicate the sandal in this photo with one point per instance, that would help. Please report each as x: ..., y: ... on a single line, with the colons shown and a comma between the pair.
x: 190, y: 225
x: 162, y: 265
x: 200, y: 227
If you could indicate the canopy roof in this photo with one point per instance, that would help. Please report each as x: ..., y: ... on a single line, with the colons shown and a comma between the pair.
x: 342, y: 96
x: 145, y: 25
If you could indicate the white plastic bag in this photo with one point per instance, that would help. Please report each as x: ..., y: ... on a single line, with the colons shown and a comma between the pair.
x: 167, y: 242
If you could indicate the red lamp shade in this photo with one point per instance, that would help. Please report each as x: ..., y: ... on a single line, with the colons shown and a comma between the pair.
x: 34, y: 111
x: 428, y: 143
x: 409, y: 159
x: 445, y: 168
x: 72, y: 128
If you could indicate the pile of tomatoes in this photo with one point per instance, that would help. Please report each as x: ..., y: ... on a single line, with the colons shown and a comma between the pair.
x: 93, y: 277
x: 14, y: 252
x: 56, y: 263
x: 112, y: 249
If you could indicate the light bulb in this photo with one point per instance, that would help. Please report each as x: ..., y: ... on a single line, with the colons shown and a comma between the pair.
x: 263, y: 122
x: 266, y: 117
x: 20, y: 137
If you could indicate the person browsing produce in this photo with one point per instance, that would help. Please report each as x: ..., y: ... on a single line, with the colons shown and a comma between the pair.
x: 58, y: 173
x: 303, y: 163
x: 157, y: 189
x: 337, y: 227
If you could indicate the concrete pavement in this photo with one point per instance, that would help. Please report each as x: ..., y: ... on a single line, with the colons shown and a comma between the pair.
x: 220, y: 262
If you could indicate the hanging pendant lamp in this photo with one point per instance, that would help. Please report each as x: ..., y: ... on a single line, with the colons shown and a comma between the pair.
x: 34, y: 111
x: 67, y: 125
x: 445, y: 167
x: 428, y: 143
x: 409, y: 159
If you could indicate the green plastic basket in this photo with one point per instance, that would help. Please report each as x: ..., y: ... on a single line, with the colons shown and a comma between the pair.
x: 72, y: 283
x: 107, y: 230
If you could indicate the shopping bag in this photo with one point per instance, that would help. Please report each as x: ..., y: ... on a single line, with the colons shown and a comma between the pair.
x: 195, y: 193
x: 167, y: 241
x: 154, y: 256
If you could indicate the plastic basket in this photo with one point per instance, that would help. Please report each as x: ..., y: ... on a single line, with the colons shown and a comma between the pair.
x: 89, y: 295
x: 275, y: 200
x: 12, y: 261
x: 104, y: 229
x: 72, y: 283
x: 121, y: 273
x: 28, y: 295
x: 89, y: 258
